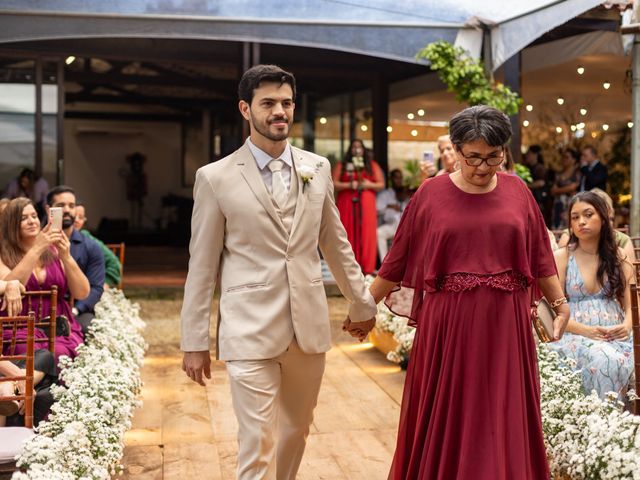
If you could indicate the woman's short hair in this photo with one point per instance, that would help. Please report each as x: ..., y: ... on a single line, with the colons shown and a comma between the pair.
x: 480, y: 122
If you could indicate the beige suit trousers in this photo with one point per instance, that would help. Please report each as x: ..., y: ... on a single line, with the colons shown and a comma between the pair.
x: 273, y: 401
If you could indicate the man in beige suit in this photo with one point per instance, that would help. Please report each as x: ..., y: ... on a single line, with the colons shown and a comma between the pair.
x: 259, y: 216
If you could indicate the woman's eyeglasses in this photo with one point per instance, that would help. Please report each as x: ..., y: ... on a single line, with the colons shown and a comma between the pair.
x: 476, y: 161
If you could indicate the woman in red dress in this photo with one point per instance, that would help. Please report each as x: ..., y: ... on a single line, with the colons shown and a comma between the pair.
x: 469, y: 245
x: 356, y: 180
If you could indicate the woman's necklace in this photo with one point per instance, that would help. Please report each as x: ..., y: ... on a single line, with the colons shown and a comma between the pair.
x: 593, y: 254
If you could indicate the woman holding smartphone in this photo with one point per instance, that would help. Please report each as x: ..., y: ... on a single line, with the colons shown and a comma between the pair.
x: 39, y: 259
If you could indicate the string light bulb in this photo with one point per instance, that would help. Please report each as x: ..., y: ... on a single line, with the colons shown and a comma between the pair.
x: 529, y: 108
x: 583, y: 111
x: 525, y: 123
x: 70, y: 59
x: 580, y: 70
x: 323, y: 121
x: 558, y: 129
x: 421, y: 112
x: 605, y: 127
x: 389, y: 129
x: 560, y: 101
x: 606, y: 85
x: 410, y: 116
x: 630, y: 124
x: 364, y: 128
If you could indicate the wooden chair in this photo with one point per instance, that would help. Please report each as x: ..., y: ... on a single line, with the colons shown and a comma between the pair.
x: 12, y: 438
x: 636, y: 246
x: 118, y: 251
x: 46, y: 320
x: 635, y: 316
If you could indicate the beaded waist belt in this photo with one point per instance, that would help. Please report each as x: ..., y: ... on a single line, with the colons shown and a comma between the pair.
x: 459, y: 282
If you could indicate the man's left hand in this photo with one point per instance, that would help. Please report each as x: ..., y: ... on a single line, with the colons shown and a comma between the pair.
x: 358, y: 330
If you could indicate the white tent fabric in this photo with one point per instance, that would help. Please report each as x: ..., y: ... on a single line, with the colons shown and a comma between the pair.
x: 383, y: 28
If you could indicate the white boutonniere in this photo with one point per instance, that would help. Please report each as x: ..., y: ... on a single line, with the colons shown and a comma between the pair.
x: 307, y: 173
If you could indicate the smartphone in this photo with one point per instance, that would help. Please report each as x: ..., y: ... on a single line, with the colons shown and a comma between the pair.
x: 427, y: 156
x: 55, y: 217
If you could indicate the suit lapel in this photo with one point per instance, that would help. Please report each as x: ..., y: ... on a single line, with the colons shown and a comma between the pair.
x: 251, y: 174
x: 298, y: 160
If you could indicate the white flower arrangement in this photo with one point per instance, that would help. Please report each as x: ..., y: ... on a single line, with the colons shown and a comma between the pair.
x: 586, y: 438
x: 83, y: 436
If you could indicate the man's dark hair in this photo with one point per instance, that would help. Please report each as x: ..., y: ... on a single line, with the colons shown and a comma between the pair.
x: 253, y: 77
x: 57, y: 191
x: 592, y: 149
x: 394, y: 171
x: 480, y: 122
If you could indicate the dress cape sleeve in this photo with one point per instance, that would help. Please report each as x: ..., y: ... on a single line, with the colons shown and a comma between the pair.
x: 404, y: 264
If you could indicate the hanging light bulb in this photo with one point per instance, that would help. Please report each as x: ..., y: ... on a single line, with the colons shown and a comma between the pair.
x: 70, y: 59
x: 605, y: 127
x: 525, y: 123
x: 560, y: 101
x: 630, y: 124
x: 573, y: 128
x: 529, y: 108
x: 364, y: 128
x: 580, y: 69
x: 414, y: 133
x: 410, y: 116
x: 421, y: 113
x: 606, y: 85
x: 558, y: 129
x: 583, y: 111
x: 389, y: 129
x: 323, y: 121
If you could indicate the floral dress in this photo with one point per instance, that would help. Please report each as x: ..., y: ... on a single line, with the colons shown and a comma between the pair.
x: 606, y: 366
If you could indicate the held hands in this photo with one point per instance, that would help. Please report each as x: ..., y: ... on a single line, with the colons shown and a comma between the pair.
x: 48, y: 236
x: 63, y: 245
x: 12, y: 300
x: 358, y: 330
x: 609, y: 334
x: 195, y: 364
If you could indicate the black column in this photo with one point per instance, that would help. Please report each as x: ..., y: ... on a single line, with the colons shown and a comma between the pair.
x: 513, y: 80
x: 308, y: 125
x: 380, y: 101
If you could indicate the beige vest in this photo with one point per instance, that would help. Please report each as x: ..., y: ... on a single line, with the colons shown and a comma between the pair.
x: 290, y: 208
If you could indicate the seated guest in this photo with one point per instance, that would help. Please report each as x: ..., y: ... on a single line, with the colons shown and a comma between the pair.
x: 39, y: 259
x: 596, y: 276
x: 390, y: 205
x: 85, y: 251
x: 112, y: 268
x: 28, y: 184
x: 622, y: 239
x: 448, y: 158
x: 44, y: 375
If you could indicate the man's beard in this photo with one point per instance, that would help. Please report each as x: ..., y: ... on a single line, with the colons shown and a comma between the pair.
x: 67, y: 221
x: 264, y: 129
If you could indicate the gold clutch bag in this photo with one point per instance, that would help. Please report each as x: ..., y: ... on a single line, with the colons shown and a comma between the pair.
x: 542, y: 316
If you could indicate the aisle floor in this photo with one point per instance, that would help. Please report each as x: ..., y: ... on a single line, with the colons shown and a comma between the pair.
x: 185, y: 431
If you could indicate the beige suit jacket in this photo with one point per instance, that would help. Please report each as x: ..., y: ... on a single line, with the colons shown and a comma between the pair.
x: 270, y: 280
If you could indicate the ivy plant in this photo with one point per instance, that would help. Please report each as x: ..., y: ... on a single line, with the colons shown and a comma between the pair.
x: 466, y: 78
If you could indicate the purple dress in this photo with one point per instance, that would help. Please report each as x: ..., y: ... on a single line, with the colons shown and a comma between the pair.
x: 64, y: 345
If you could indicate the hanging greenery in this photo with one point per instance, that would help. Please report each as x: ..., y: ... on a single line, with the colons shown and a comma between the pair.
x: 467, y: 79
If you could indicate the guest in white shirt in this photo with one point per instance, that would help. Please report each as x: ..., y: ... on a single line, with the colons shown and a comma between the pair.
x: 390, y: 205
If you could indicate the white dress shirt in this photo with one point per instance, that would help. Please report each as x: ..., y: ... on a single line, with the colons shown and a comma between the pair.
x: 263, y: 159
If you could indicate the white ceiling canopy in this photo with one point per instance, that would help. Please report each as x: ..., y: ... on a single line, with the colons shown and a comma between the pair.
x: 381, y: 28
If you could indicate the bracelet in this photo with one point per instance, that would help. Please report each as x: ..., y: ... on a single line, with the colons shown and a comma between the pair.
x: 558, y: 302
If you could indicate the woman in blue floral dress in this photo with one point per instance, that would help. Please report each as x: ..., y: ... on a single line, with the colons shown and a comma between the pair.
x: 596, y: 277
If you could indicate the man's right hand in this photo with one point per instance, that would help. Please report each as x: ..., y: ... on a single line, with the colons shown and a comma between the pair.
x: 195, y: 364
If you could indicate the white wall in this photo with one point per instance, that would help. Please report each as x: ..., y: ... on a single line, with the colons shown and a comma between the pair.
x: 95, y: 159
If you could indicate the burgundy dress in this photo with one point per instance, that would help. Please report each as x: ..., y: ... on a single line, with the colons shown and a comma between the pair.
x: 471, y: 403
x: 64, y: 345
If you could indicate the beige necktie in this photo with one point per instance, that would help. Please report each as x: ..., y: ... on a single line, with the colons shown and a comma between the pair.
x: 278, y: 187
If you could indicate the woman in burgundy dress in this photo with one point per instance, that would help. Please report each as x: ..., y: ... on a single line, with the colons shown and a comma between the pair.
x: 39, y: 259
x: 469, y: 245
x: 357, y: 179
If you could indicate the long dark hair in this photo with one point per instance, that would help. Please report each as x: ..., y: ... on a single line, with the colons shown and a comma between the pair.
x: 366, y: 155
x: 609, y: 273
x: 11, y: 249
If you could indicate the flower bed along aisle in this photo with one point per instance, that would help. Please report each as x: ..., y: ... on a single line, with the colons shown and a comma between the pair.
x: 586, y: 438
x: 83, y: 437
